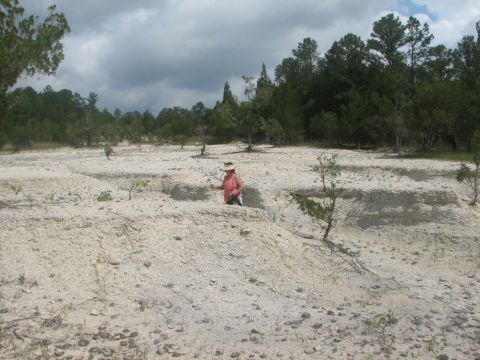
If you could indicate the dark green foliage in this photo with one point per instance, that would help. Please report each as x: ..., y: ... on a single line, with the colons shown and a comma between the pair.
x: 250, y: 120
x: 228, y: 97
x: 346, y: 63
x: 315, y: 209
x: 387, y: 38
x: 467, y: 175
x: 322, y: 210
x: 392, y: 89
x: 431, y: 115
x: 274, y: 132
x: 148, y: 122
x: 28, y: 45
x: 220, y: 123
x: 438, y: 65
x: 58, y: 117
x: 463, y: 173
x: 181, y: 139
x: 417, y: 40
x: 324, y: 126
x: 174, y: 121
x: 264, y: 80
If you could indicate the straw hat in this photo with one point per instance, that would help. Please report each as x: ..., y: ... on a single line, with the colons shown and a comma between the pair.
x: 228, y: 166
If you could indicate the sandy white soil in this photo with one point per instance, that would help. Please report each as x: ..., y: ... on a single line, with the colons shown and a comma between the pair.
x: 173, y: 272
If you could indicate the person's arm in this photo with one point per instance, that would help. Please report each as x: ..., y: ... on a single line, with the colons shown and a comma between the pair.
x: 240, y: 185
x: 216, y: 187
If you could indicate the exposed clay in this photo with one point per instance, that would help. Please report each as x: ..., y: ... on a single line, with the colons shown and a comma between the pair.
x: 174, y: 272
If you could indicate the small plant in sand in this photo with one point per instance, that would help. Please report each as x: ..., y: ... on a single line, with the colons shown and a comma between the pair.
x: 137, y: 184
x: 432, y: 345
x: 468, y: 176
x: 21, y: 279
x: 16, y: 189
x: 104, y: 196
x: 108, y: 150
x: 328, y: 167
x: 202, y: 134
x: 476, y: 336
x: 45, y: 350
x: 382, y: 322
x: 322, y: 210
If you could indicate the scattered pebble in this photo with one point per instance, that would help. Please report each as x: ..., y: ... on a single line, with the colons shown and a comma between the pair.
x: 245, y: 232
x: 83, y: 342
x: 306, y: 315
x: 59, y: 352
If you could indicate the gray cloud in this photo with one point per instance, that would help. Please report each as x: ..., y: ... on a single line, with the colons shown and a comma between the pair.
x: 150, y: 54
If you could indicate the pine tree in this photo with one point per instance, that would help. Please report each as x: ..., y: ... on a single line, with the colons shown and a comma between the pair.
x: 264, y: 80
x: 228, y: 96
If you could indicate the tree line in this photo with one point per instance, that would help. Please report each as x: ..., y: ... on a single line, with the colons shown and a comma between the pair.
x: 393, y: 89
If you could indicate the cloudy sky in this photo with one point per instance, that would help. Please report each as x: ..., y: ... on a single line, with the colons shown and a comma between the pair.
x: 150, y: 54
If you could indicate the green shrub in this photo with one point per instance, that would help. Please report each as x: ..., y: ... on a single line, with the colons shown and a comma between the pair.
x: 327, y: 167
x: 108, y: 150
x: 104, y: 196
x: 468, y: 176
x: 16, y: 189
x: 137, y: 183
x: 323, y: 210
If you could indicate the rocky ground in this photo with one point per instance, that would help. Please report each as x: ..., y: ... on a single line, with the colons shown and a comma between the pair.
x: 167, y: 270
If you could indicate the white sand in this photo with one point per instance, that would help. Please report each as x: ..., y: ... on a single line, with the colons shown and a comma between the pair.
x: 187, y: 276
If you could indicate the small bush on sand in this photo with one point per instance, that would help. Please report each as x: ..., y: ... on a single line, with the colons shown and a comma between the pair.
x: 322, y: 210
x: 16, y: 189
x: 382, y: 322
x: 328, y: 167
x: 108, y: 150
x: 471, y: 176
x: 104, y: 196
x: 137, y: 183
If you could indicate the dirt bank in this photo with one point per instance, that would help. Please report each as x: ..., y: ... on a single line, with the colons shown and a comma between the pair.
x: 173, y: 272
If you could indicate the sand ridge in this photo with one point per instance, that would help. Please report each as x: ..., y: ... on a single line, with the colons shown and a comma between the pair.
x: 174, y: 272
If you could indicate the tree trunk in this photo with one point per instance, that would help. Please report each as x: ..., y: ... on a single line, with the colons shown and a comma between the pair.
x: 249, y: 139
x: 452, y: 142
x: 327, y: 231
x: 475, y: 185
x: 398, y: 146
